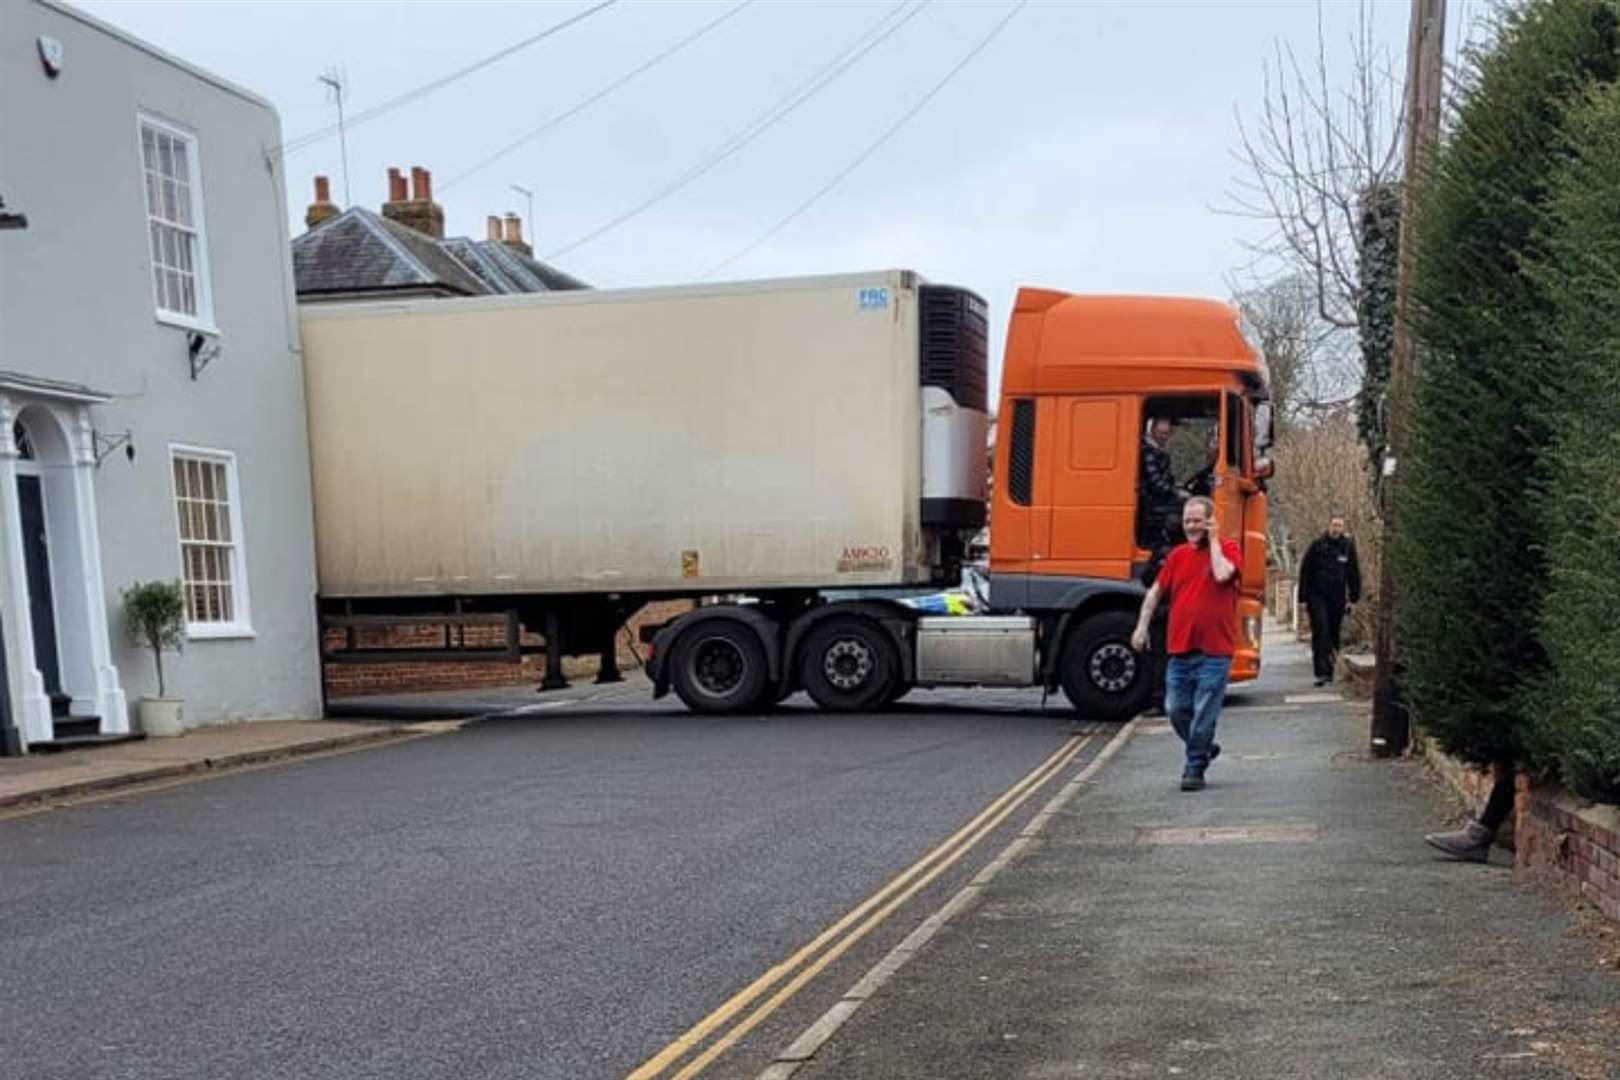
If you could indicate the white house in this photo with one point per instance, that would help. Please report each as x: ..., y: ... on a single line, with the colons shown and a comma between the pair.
x: 151, y: 400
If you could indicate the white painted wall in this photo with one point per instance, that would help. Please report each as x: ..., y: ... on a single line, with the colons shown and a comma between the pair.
x: 76, y: 304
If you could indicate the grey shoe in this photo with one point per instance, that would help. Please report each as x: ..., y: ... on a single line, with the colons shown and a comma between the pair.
x: 1192, y: 780
x: 1471, y: 843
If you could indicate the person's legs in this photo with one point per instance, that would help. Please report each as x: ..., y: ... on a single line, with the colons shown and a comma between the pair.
x: 1335, y: 615
x: 1321, y: 648
x: 1180, y: 678
x: 1208, y: 694
x: 1472, y: 842
x: 1500, y: 804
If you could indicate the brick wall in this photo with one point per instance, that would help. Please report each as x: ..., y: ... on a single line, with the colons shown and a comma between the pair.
x: 1574, y: 844
x: 404, y: 677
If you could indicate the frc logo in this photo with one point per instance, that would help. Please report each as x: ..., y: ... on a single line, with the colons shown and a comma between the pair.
x: 865, y: 557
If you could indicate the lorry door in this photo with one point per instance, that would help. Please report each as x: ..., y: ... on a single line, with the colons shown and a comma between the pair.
x: 1091, y: 507
x: 1239, y: 501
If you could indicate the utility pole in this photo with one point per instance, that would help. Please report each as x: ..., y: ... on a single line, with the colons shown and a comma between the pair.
x: 1425, y: 66
x: 333, y: 80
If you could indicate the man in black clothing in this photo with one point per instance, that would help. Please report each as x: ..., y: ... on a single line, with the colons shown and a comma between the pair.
x: 1329, y: 581
x: 1159, y: 497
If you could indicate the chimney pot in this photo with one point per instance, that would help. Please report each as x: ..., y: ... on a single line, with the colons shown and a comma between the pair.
x: 512, y: 235
x: 321, y: 209
x: 421, y: 184
x: 492, y: 226
x: 416, y: 210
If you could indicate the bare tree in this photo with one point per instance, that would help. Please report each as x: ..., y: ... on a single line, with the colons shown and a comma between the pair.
x: 1311, y: 361
x: 1309, y: 158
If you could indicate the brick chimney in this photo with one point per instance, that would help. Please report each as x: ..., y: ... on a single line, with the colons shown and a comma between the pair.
x: 513, y: 237
x: 322, y: 208
x: 492, y: 227
x: 418, y: 211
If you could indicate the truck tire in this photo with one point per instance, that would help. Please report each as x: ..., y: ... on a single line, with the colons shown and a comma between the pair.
x: 719, y: 667
x: 1103, y: 677
x: 849, y: 664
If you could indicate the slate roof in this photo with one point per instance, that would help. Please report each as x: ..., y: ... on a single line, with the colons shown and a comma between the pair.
x: 360, y: 251
x: 505, y: 270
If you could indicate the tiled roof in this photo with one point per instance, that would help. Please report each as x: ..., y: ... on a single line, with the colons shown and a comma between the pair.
x: 359, y: 251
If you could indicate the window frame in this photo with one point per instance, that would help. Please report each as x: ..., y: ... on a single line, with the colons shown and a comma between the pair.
x: 242, y: 625
x: 203, y: 320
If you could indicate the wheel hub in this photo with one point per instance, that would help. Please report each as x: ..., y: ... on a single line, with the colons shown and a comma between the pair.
x: 847, y: 663
x: 718, y: 666
x: 1112, y: 667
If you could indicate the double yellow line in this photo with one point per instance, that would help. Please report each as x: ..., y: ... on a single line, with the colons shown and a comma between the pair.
x: 838, y: 938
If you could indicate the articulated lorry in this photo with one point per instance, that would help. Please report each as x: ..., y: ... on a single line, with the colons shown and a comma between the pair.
x: 798, y: 456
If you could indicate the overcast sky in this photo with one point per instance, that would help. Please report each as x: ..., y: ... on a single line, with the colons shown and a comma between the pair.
x: 1086, y: 148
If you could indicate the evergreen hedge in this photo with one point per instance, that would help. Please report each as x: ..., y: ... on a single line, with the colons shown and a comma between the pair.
x: 1576, y: 708
x: 1468, y: 549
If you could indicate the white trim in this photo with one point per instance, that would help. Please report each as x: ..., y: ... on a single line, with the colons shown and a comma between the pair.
x: 201, y: 268
x: 242, y: 625
x: 175, y: 319
x: 32, y: 387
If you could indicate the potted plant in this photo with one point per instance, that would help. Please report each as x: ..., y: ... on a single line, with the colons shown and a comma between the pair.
x: 155, y: 617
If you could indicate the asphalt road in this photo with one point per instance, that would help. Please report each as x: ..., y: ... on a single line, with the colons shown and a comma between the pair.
x: 556, y: 895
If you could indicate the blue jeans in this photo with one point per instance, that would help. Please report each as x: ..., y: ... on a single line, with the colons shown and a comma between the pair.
x: 1194, y: 686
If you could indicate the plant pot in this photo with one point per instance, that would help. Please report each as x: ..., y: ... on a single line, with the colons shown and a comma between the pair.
x: 160, y: 717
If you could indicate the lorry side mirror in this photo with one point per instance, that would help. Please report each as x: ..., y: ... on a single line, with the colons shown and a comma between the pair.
x: 1264, y: 468
x: 1262, y: 426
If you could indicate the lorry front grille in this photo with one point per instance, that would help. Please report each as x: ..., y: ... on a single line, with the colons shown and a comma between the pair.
x: 954, y: 328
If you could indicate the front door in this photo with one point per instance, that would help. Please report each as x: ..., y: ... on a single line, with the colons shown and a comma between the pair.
x: 37, y: 560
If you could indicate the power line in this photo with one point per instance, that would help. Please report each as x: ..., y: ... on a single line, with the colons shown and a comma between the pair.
x: 309, y: 139
x: 530, y: 136
x: 784, y: 106
x: 871, y: 149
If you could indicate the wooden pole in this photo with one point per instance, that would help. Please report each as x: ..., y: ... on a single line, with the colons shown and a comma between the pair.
x: 1425, y: 68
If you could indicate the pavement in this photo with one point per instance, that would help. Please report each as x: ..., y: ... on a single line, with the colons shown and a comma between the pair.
x: 1288, y: 921
x: 43, y: 777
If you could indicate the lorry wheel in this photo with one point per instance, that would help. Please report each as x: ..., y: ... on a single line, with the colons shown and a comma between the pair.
x: 849, y: 665
x: 1103, y: 677
x: 719, y: 667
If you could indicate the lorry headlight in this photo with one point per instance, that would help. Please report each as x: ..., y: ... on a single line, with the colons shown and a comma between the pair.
x: 1251, y: 629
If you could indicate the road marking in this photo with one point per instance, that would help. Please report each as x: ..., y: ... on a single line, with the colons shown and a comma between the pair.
x: 816, y: 1035
x: 1313, y: 699
x: 884, y: 902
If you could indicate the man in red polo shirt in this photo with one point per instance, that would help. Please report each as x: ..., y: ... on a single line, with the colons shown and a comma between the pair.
x: 1200, y: 579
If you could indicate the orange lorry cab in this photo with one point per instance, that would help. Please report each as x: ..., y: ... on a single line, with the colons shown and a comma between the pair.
x: 1083, y: 377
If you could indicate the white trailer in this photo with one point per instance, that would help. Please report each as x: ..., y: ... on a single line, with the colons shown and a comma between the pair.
x: 567, y: 457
